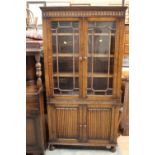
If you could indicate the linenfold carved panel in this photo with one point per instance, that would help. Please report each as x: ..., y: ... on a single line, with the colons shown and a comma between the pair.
x: 82, y: 13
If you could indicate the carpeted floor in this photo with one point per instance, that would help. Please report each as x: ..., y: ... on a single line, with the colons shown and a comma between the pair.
x: 81, y: 152
x: 122, y: 149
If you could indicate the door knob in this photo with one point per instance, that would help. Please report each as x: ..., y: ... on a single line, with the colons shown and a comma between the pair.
x: 85, y: 126
x: 84, y: 58
x: 80, y: 58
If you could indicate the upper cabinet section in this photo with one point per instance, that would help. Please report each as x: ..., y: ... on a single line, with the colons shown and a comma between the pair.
x: 83, y: 49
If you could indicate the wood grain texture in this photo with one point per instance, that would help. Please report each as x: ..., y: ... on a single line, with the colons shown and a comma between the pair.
x: 81, y: 119
x: 83, y: 11
x: 35, y: 120
x: 126, y: 40
x: 67, y: 121
x: 124, y: 126
x: 64, y: 122
x: 120, y: 56
x: 99, y: 123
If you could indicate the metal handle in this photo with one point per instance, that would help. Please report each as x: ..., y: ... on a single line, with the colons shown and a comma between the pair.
x: 85, y: 126
x: 85, y: 58
x: 80, y: 58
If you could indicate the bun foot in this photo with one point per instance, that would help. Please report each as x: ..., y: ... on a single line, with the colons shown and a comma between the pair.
x: 51, y: 147
x: 113, y: 149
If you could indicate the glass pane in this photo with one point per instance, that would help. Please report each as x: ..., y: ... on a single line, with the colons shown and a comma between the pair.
x: 66, y: 65
x: 100, y: 86
x: 65, y: 47
x: 65, y: 30
x: 65, y: 23
x: 111, y: 25
x: 101, y: 65
x: 101, y: 48
x: 101, y: 44
x: 66, y: 85
x: 101, y: 37
x: 65, y: 44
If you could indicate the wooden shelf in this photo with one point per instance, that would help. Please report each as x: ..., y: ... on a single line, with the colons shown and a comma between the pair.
x: 100, y: 75
x: 66, y: 55
x: 71, y: 34
x: 101, y: 55
x: 66, y: 74
x: 101, y: 34
x: 77, y: 55
x: 65, y: 34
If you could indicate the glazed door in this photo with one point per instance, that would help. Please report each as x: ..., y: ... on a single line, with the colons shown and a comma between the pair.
x: 100, y: 61
x: 65, y: 122
x: 66, y: 54
x: 84, y: 57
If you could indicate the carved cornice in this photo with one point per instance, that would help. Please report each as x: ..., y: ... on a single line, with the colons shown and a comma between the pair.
x: 47, y: 14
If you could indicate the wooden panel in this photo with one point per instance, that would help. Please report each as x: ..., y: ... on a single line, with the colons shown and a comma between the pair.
x: 120, y: 55
x: 126, y: 37
x: 30, y: 68
x: 99, y: 123
x: 67, y: 122
x: 32, y: 130
x: 126, y: 49
x: 88, y: 11
x: 126, y: 40
x: 64, y: 121
x: 125, y: 116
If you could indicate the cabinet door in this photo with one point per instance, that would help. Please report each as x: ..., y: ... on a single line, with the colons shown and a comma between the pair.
x: 98, y: 123
x: 64, y: 122
x: 101, y: 62
x: 65, y: 54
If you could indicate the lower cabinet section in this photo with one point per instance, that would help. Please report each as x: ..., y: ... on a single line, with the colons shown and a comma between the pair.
x: 83, y: 124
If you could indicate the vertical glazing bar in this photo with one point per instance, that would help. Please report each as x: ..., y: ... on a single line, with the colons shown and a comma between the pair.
x: 92, y: 65
x: 73, y: 62
x: 81, y: 40
x: 57, y: 62
x: 109, y: 58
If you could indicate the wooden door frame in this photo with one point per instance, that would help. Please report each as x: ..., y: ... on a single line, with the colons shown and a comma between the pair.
x: 117, y: 58
x: 83, y: 52
x: 48, y: 57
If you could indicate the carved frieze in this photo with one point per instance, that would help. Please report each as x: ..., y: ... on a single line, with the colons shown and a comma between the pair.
x: 82, y: 13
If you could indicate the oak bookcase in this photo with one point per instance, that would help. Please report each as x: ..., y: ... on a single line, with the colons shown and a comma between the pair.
x: 83, y: 49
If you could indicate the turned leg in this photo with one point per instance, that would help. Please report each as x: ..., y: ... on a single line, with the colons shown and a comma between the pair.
x: 108, y: 147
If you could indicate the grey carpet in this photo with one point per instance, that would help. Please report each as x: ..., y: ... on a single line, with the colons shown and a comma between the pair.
x: 81, y: 152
